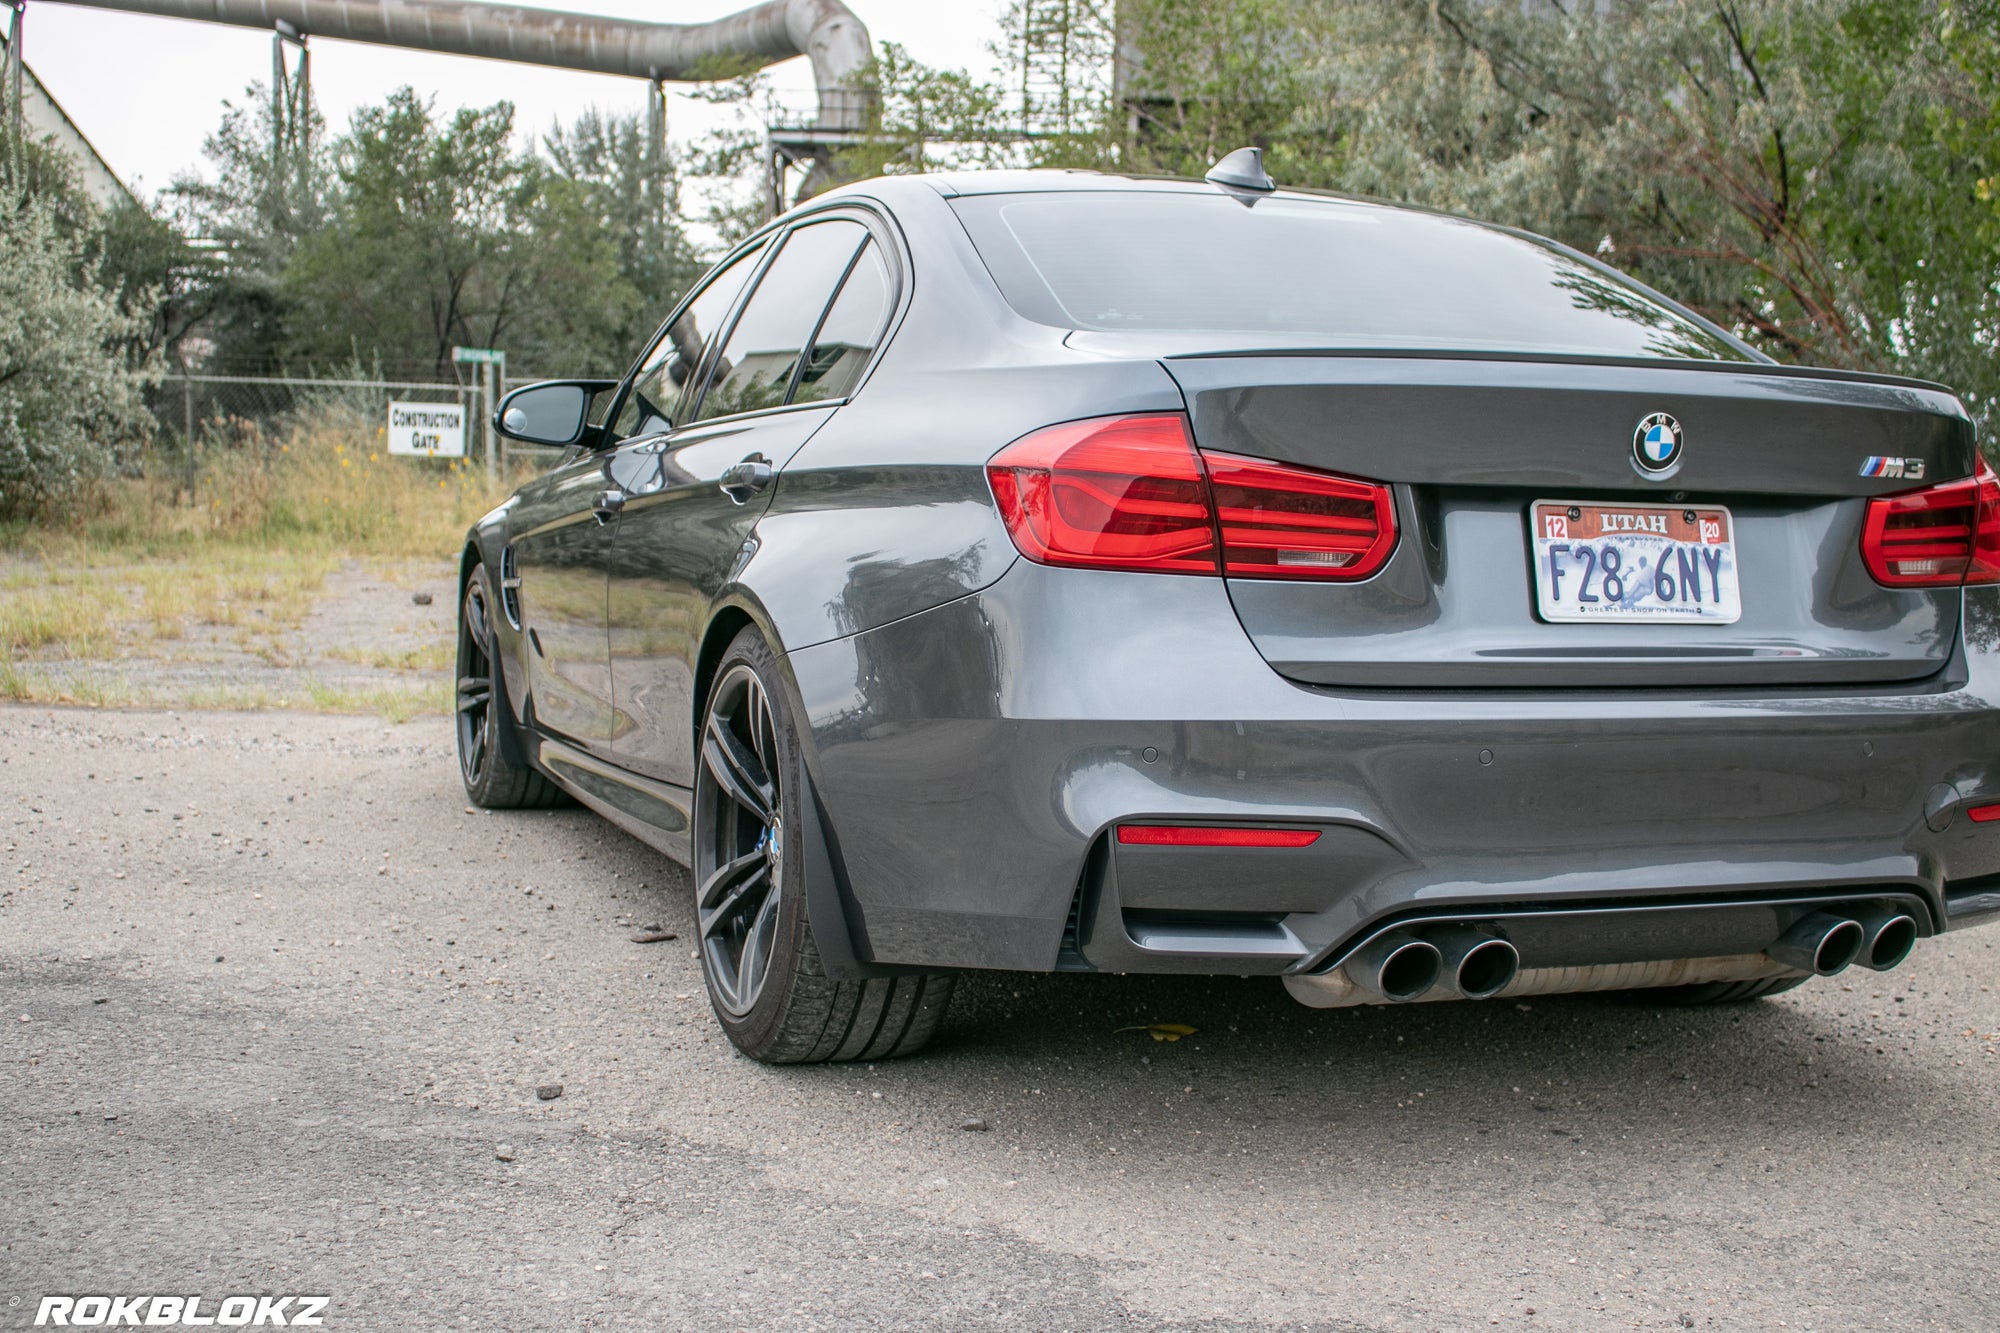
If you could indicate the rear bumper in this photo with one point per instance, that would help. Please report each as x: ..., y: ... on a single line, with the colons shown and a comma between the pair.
x: 973, y: 760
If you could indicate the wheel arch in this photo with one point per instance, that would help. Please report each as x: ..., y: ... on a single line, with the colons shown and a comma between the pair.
x: 838, y: 928
x: 483, y: 546
x: 725, y: 623
x: 468, y: 560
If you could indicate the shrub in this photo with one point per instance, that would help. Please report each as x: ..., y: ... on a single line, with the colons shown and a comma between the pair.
x: 68, y: 397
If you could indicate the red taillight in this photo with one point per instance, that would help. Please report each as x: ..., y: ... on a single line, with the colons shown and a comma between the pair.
x: 1208, y: 835
x: 1292, y: 523
x: 1113, y: 493
x: 1984, y: 814
x: 1939, y: 537
x: 1132, y: 492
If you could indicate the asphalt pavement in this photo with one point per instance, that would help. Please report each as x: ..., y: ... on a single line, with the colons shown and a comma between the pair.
x: 278, y: 1013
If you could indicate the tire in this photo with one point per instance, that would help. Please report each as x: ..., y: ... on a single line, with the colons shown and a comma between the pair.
x: 1722, y: 992
x: 485, y: 731
x: 765, y: 979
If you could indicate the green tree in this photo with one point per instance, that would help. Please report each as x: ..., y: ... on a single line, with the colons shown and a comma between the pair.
x: 69, y: 396
x: 250, y: 216
x: 1786, y: 166
x: 441, y: 234
x: 921, y: 118
x: 1198, y: 80
x: 604, y: 171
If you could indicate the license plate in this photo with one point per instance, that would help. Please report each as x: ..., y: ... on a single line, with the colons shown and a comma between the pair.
x: 1597, y: 562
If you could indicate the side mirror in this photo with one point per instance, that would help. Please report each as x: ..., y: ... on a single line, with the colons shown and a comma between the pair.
x: 555, y: 413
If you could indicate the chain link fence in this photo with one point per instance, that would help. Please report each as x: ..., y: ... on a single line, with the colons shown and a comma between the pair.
x: 203, y: 417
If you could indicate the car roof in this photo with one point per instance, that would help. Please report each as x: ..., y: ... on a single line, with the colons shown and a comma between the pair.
x: 1081, y: 181
x: 1078, y: 180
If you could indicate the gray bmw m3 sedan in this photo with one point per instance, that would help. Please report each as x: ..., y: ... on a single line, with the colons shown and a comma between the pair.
x: 1056, y: 571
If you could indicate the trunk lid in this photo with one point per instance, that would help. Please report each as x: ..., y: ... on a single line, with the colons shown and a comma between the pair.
x: 1471, y: 443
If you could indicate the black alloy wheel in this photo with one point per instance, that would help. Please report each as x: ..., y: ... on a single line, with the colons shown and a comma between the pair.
x: 475, y: 683
x: 767, y: 981
x: 740, y: 841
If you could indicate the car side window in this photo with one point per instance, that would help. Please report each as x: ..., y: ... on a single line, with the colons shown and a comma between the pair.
x: 756, y: 365
x: 852, y: 328
x: 663, y: 390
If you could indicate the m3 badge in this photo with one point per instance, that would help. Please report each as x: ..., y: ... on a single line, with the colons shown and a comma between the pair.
x: 1910, y: 469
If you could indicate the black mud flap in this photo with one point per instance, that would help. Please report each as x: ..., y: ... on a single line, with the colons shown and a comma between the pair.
x: 835, y: 925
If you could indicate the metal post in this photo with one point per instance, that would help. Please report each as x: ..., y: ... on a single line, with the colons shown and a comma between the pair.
x: 656, y: 149
x: 490, y: 373
x: 188, y: 407
x: 290, y: 101
x: 302, y: 91
x: 277, y: 110
x: 18, y: 11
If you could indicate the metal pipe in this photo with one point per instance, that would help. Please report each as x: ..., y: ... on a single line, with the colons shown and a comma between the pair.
x: 826, y: 31
x: 15, y: 90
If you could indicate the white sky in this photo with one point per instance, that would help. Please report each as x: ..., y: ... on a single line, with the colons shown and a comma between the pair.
x: 145, y: 91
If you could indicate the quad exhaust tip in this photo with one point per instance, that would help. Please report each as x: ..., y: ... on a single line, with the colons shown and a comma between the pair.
x: 1477, y: 965
x: 1886, y: 938
x: 1471, y: 962
x: 1397, y: 967
x: 1826, y: 943
x: 1400, y: 967
x: 1822, y: 944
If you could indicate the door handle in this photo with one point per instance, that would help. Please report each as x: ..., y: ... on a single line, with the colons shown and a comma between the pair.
x: 742, y: 480
x: 608, y: 505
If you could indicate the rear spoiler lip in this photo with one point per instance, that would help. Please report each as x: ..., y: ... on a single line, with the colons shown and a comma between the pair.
x: 1155, y: 346
x: 1769, y: 369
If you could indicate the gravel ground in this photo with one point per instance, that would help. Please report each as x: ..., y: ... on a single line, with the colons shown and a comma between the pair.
x: 276, y: 1006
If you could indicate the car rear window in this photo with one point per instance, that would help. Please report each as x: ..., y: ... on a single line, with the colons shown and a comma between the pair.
x: 1308, y: 272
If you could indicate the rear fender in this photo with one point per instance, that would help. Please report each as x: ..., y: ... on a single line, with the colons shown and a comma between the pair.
x: 838, y: 929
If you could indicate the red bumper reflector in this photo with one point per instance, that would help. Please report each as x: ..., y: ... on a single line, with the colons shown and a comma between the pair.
x: 1197, y: 835
x: 1984, y: 814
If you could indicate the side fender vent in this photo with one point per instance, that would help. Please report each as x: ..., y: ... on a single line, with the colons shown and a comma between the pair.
x: 510, y: 587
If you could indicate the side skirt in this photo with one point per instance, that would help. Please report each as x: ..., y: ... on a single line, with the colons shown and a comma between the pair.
x: 654, y: 812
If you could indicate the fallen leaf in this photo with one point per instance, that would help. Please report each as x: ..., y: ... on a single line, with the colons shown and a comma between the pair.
x: 1162, y: 1031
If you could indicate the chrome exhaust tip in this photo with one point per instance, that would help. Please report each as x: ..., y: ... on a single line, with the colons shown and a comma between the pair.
x: 1886, y: 938
x: 1476, y: 964
x: 1822, y: 944
x: 1396, y: 967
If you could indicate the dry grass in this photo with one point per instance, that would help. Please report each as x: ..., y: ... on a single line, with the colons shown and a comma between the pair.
x: 147, y: 567
x: 326, y: 489
x: 54, y: 609
x: 429, y: 657
x: 395, y: 703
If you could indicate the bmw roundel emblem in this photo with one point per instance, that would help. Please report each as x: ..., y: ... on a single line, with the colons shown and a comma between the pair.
x: 1656, y: 444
